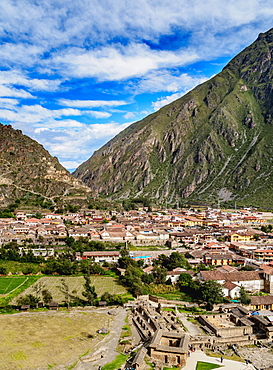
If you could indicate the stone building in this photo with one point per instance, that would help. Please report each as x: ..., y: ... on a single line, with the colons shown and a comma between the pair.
x: 169, y: 348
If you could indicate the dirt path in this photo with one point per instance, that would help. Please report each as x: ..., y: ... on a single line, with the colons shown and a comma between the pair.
x: 105, y: 351
x: 192, y: 329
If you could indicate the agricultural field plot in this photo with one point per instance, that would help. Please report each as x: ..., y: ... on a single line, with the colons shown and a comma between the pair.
x: 7, y: 284
x: 102, y: 284
x: 48, y: 340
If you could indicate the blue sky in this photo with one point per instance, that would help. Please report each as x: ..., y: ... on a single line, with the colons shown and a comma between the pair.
x: 75, y: 73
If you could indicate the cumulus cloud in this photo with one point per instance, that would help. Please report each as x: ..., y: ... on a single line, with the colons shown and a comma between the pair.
x: 8, y: 103
x: 75, y: 145
x: 119, y: 62
x: 48, y: 46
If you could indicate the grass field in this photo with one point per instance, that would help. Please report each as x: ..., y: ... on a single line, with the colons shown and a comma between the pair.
x: 205, y: 366
x: 5, y: 299
x: 102, y: 284
x: 47, y: 340
x: 7, y: 284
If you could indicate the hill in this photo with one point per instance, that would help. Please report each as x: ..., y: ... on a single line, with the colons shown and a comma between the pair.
x: 215, y: 143
x: 29, y: 172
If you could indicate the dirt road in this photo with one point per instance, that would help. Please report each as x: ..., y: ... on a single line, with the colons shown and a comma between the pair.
x: 105, y: 351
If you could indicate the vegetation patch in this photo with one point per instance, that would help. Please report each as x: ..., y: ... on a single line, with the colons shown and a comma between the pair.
x: 76, y: 286
x: 5, y: 300
x: 7, y: 284
x: 206, y: 366
x: 118, y: 361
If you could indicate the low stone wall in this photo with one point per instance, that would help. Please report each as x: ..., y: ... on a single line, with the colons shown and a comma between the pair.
x: 170, y: 302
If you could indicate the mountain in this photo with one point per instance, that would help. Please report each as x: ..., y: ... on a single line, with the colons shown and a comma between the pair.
x: 214, y: 143
x: 28, y: 171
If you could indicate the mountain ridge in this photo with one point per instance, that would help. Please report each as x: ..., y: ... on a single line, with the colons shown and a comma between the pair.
x: 27, y: 169
x: 211, y: 144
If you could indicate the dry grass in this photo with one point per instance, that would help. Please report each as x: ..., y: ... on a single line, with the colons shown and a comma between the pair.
x: 31, y: 341
x: 102, y: 284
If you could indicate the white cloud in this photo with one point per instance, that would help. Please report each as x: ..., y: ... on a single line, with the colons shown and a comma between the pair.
x: 75, y: 144
x: 13, y: 92
x: 165, y: 80
x: 36, y: 114
x: 129, y: 115
x: 119, y: 62
x: 71, y: 165
x: 164, y: 101
x: 8, y: 103
x: 91, y: 103
x: 39, y: 33
x: 109, y: 41
x: 16, y: 77
x: 97, y: 114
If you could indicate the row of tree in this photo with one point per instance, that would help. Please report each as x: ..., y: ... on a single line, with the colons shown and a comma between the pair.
x: 40, y: 294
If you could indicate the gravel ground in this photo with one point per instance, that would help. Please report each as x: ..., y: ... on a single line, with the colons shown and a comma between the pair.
x: 262, y: 358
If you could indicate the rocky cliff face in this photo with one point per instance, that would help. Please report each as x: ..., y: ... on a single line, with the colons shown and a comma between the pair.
x: 26, y: 168
x: 215, y: 143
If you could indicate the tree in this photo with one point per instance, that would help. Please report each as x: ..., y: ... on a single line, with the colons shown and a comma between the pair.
x: 89, y: 290
x: 212, y: 292
x: 175, y: 260
x: 28, y: 299
x: 47, y: 296
x: 147, y: 278
x: 3, y: 270
x: 184, y: 280
x: 244, y: 297
x: 64, y: 288
x: 160, y: 274
x: 37, y: 288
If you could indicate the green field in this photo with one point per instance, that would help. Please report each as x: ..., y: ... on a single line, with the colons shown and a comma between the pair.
x: 102, y: 284
x: 7, y: 284
x: 206, y: 366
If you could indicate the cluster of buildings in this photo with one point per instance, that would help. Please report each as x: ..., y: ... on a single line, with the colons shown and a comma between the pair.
x: 168, y: 340
x: 158, y: 227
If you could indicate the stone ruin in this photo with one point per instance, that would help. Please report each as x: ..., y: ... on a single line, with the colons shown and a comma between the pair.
x: 167, y: 343
x: 164, y: 337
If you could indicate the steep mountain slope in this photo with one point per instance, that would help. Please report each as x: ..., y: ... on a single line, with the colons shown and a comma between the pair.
x: 27, y: 169
x: 215, y: 143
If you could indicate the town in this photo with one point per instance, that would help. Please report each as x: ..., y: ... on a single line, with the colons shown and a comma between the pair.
x: 200, y: 260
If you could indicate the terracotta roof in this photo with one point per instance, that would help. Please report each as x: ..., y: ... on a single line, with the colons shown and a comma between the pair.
x: 101, y: 254
x: 231, y: 276
x: 267, y: 269
x: 227, y: 269
x: 219, y: 256
x: 229, y: 285
x: 264, y: 299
